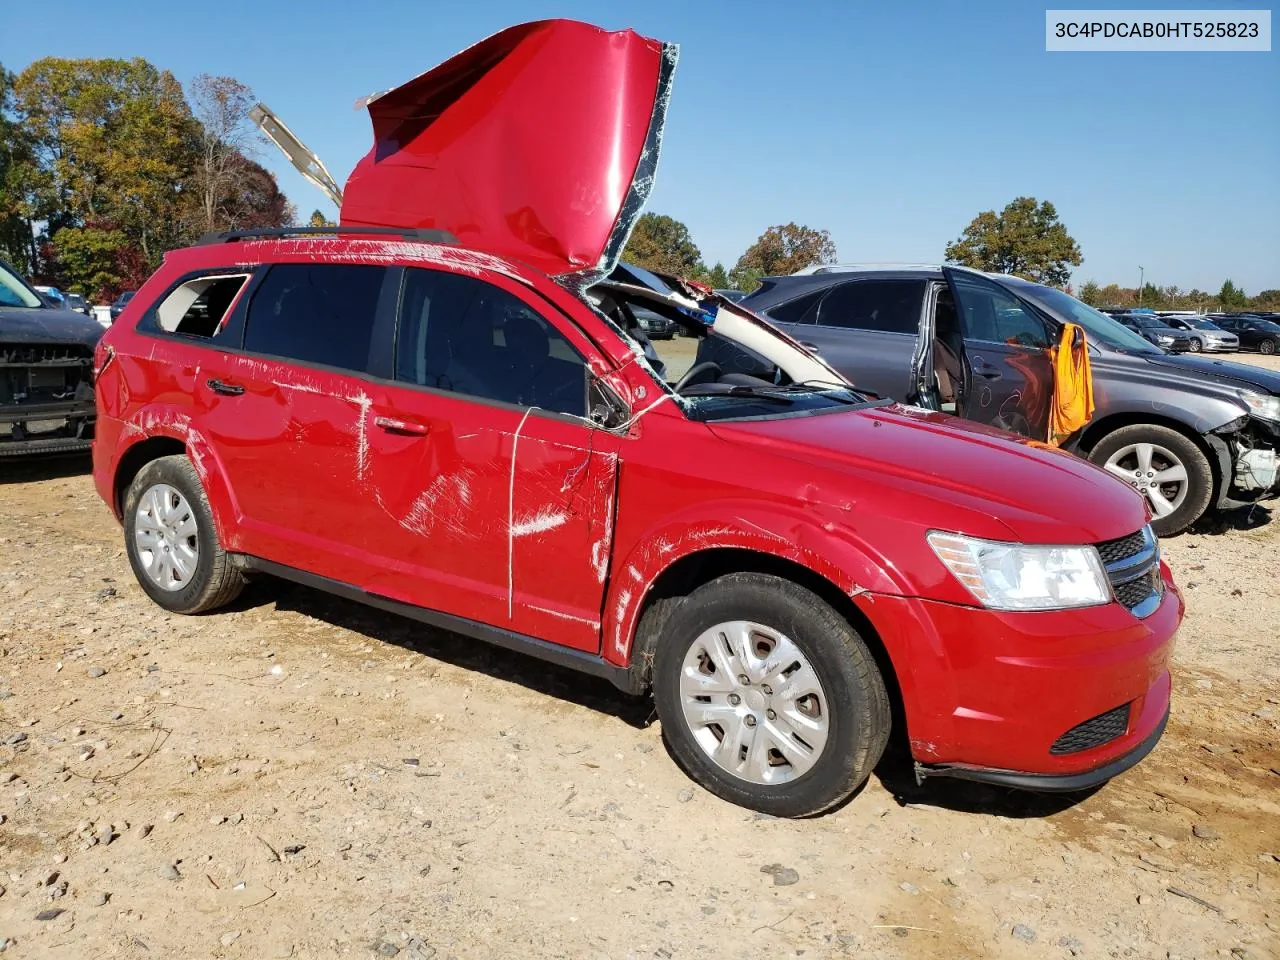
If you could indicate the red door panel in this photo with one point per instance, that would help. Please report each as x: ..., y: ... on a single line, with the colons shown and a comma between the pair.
x: 491, y: 514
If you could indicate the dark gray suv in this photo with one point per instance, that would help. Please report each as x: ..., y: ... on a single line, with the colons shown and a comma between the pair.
x: 1191, y: 433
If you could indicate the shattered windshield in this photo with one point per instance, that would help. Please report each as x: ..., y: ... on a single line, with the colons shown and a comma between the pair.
x: 720, y: 361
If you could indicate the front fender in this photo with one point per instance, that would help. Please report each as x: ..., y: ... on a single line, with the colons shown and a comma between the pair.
x: 805, y: 537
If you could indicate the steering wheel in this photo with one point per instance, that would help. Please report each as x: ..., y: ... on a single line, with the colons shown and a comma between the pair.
x: 694, y: 371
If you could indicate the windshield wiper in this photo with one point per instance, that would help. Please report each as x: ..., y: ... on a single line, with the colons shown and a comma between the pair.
x: 742, y: 390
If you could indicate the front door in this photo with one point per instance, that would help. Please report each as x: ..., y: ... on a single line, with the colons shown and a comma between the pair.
x: 495, y: 494
x: 1009, y: 375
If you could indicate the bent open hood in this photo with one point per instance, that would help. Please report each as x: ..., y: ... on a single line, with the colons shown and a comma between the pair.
x: 538, y: 143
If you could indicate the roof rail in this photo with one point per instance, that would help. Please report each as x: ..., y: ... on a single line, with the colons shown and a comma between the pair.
x: 421, y: 234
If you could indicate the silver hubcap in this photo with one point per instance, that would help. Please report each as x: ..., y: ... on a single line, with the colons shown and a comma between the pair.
x: 165, y: 535
x: 1153, y: 471
x: 753, y: 702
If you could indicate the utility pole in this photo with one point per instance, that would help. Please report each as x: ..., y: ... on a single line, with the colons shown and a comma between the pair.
x: 1141, y: 274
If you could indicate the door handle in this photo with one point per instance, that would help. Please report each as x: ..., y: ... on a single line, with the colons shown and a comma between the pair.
x: 392, y: 425
x: 811, y: 347
x: 988, y: 372
x: 227, y: 389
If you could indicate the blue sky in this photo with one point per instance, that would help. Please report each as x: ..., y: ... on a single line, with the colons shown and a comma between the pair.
x: 890, y: 124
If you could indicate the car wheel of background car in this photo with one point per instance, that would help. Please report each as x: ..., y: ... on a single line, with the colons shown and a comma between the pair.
x: 1168, y: 468
x: 1267, y: 346
x: 768, y: 697
x: 1195, y: 346
x: 170, y: 538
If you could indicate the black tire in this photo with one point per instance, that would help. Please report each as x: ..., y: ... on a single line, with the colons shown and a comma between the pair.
x: 1195, y: 346
x: 858, y: 704
x: 1267, y: 346
x: 215, y: 582
x: 1186, y: 451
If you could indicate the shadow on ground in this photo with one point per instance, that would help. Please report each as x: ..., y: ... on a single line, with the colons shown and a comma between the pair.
x: 34, y: 469
x: 465, y: 652
x: 1219, y: 522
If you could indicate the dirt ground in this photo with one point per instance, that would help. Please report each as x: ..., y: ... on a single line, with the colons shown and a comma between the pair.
x: 303, y: 777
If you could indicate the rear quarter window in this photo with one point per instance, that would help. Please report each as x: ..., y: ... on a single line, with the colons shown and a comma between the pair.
x: 197, y: 307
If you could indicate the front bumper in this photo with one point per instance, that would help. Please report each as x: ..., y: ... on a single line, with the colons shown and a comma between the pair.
x: 995, y: 696
x: 29, y: 429
x: 1219, y: 346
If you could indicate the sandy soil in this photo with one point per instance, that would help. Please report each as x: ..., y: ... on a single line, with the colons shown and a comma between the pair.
x: 303, y: 777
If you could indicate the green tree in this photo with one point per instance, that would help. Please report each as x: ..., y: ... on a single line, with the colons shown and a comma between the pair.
x: 663, y: 244
x: 89, y: 258
x: 1231, y: 297
x: 781, y: 250
x: 18, y: 176
x: 718, y: 277
x: 318, y: 219
x: 1266, y: 300
x: 1025, y: 239
x: 1152, y: 296
x: 1091, y: 294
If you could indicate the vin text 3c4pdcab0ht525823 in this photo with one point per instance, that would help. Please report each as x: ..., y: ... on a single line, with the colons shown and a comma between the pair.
x: 436, y: 409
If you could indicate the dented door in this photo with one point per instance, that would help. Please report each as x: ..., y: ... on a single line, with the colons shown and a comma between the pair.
x: 494, y: 494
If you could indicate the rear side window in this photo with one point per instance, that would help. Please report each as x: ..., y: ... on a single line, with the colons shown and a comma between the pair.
x: 800, y: 310
x: 886, y: 306
x: 462, y: 334
x: 198, y: 307
x: 319, y: 313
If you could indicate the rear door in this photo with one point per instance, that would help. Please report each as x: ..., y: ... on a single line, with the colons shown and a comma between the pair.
x: 292, y: 423
x: 494, y: 493
x: 868, y: 329
x: 1006, y: 355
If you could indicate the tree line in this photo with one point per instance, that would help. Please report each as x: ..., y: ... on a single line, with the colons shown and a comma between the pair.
x: 107, y: 163
x: 1026, y: 238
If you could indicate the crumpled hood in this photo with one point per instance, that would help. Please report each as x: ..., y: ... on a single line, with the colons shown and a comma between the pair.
x: 47, y: 325
x: 1244, y: 375
x: 1035, y: 493
x: 538, y: 144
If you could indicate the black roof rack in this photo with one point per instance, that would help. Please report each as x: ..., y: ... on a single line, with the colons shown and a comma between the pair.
x: 422, y: 235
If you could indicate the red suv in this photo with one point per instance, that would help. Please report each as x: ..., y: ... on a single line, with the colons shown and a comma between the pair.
x: 445, y: 409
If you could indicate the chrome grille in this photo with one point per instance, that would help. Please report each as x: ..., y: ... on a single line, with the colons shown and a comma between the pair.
x: 1133, y: 567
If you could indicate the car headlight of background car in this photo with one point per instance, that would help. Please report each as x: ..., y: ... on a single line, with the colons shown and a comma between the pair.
x: 1014, y: 576
x: 1262, y: 406
x: 1163, y: 339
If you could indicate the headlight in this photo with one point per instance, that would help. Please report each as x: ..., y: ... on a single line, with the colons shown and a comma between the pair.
x: 1012, y: 576
x: 1262, y: 406
x: 1163, y: 339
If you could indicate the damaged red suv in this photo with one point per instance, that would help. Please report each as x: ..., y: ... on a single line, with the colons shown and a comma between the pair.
x: 445, y: 408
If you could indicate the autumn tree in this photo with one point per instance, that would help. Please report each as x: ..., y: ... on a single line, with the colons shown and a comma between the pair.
x: 1025, y: 239
x: 227, y: 139
x: 1091, y: 294
x: 663, y: 244
x: 780, y: 250
x: 252, y: 198
x: 117, y: 141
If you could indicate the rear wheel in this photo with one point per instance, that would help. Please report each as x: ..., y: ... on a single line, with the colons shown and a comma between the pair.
x: 1165, y: 466
x: 1267, y: 346
x: 171, y: 542
x: 768, y: 697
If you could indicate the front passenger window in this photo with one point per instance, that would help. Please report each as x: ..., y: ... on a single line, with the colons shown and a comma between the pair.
x: 990, y: 313
x: 464, y: 335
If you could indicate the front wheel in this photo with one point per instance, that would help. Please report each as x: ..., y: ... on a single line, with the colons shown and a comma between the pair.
x: 1165, y: 466
x: 1195, y: 346
x: 768, y: 697
x: 1267, y: 346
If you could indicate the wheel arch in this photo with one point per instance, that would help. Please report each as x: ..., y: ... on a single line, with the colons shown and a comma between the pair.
x: 698, y: 567
x: 1095, y: 432
x: 135, y: 458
